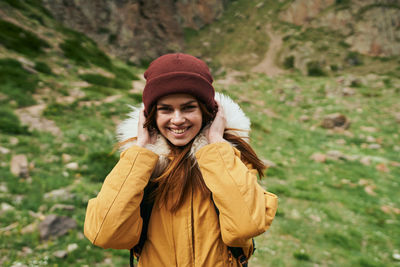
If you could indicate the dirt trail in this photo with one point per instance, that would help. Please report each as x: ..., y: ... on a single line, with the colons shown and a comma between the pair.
x: 267, y: 65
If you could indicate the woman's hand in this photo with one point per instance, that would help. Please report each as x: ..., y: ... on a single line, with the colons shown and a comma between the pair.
x: 216, y: 131
x: 144, y: 137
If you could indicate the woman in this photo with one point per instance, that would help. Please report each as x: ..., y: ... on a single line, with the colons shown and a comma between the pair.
x: 188, y: 146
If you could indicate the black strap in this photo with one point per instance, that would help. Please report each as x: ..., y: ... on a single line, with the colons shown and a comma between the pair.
x: 146, y: 206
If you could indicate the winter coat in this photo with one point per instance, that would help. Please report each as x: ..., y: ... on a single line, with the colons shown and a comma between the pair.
x: 194, y: 235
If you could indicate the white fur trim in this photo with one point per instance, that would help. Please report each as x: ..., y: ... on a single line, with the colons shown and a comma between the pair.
x: 235, y: 118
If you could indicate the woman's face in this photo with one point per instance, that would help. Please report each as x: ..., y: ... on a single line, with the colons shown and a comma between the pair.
x: 178, y: 118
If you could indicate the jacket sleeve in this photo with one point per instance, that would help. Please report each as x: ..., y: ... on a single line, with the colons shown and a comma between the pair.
x: 246, y: 209
x: 113, y: 217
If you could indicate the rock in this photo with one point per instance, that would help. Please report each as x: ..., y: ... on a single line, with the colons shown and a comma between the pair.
x: 27, y: 250
x: 58, y: 194
x: 334, y: 155
x: 6, y: 207
x: 374, y: 146
x: 72, y: 247
x: 14, y: 141
x: 300, y: 12
x: 4, y: 150
x: 55, y: 226
x: 138, y: 86
x: 304, y: 118
x: 18, y: 264
x: 19, y: 166
x: 61, y: 254
x: 397, y: 117
x: 126, y: 23
x: 72, y: 166
x: 371, y: 139
x: 335, y: 120
x: 111, y: 98
x: 37, y: 215
x: 83, y: 137
x: 62, y: 207
x: 396, y: 256
x: 382, y: 167
x: 30, y: 228
x: 369, y: 189
x: 66, y: 158
x: 318, y: 157
x: 3, y: 188
x: 347, y: 91
x: 365, y: 161
x: 9, y: 227
x: 341, y: 142
x: 32, y: 116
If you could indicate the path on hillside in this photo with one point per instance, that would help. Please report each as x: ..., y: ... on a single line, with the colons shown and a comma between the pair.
x: 267, y: 65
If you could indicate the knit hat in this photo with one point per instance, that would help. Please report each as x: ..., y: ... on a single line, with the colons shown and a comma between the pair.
x: 178, y: 73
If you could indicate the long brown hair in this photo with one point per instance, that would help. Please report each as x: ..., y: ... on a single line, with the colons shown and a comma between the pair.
x: 183, y: 173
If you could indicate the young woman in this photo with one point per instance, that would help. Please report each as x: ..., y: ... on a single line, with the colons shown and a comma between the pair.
x: 188, y: 148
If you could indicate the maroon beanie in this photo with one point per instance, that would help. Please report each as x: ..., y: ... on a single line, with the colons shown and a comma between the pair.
x: 178, y: 73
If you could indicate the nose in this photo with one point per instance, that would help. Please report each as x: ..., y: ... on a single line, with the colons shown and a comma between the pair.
x: 178, y: 118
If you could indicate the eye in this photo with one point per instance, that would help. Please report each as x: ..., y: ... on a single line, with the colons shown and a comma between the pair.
x: 163, y: 108
x: 190, y: 107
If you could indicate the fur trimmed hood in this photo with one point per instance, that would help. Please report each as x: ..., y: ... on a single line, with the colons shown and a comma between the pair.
x: 235, y: 119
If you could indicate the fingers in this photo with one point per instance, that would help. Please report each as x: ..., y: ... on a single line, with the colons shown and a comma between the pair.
x: 143, y: 136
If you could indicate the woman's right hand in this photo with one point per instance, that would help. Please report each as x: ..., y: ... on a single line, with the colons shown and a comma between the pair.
x: 144, y: 137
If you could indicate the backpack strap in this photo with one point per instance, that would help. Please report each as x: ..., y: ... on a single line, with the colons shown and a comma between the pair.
x: 237, y: 252
x: 146, y: 206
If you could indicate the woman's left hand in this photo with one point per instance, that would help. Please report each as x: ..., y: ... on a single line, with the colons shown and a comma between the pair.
x: 216, y: 131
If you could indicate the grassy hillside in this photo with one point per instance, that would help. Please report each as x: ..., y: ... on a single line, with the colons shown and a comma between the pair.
x: 338, y: 188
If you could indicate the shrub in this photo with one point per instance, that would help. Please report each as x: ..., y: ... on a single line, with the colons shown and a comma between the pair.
x: 57, y: 109
x: 288, y: 63
x: 314, y: 68
x: 83, y: 50
x: 101, y: 80
x: 354, y: 58
x: 43, y: 68
x: 136, y: 97
x: 100, y: 89
x: 22, y: 41
x: 301, y: 255
x: 9, y: 122
x: 124, y: 73
x: 27, y: 5
x: 17, y: 83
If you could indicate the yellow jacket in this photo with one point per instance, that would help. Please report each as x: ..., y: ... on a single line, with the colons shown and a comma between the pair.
x: 195, y: 235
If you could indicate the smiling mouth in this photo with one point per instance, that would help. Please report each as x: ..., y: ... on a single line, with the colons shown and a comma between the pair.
x: 179, y: 131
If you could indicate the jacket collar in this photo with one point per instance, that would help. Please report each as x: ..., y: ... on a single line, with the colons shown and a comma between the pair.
x: 235, y: 119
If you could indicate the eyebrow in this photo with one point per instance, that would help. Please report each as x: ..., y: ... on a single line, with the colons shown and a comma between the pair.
x: 184, y: 104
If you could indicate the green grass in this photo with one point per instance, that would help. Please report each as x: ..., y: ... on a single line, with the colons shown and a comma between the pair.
x: 20, y: 40
x: 83, y: 50
x: 99, y: 80
x: 16, y: 83
x: 9, y: 122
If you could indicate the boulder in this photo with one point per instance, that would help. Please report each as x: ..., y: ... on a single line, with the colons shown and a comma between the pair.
x: 335, y: 120
x: 19, y: 166
x: 55, y: 226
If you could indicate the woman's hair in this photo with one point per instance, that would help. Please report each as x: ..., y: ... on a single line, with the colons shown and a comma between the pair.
x: 183, y: 173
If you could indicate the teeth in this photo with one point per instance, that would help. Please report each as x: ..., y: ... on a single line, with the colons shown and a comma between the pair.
x: 178, y: 131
